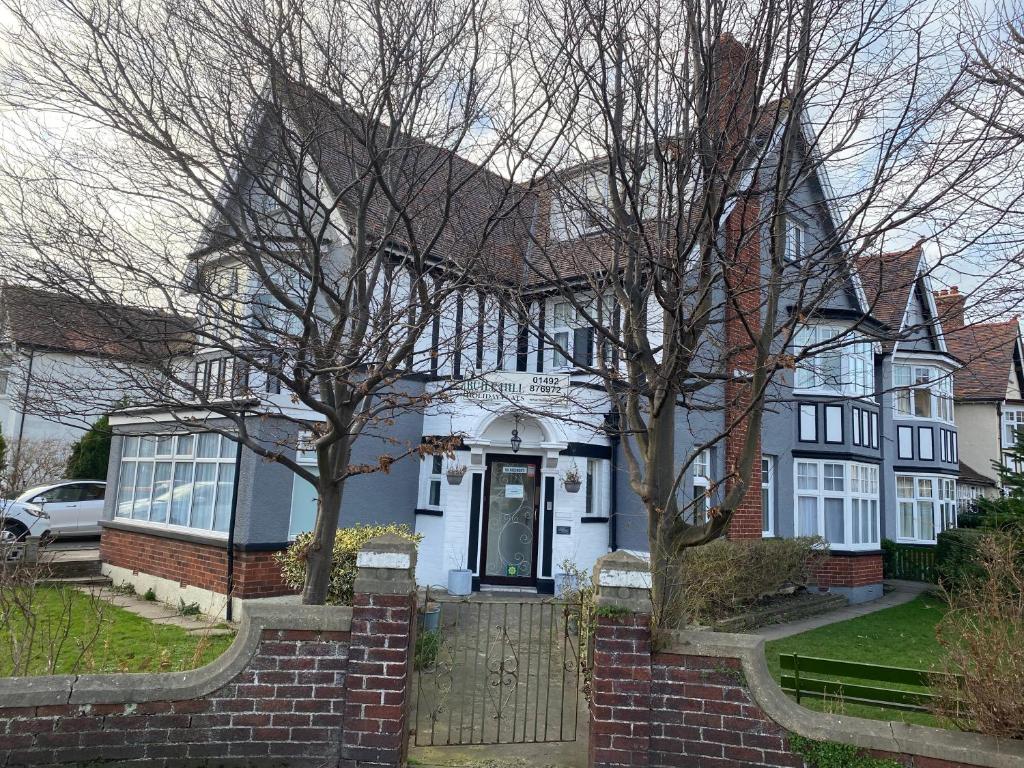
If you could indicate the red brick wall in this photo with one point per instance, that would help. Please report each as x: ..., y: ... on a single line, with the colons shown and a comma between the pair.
x: 742, y: 319
x: 192, y: 564
x: 676, y: 710
x: 286, y: 707
x: 858, y: 571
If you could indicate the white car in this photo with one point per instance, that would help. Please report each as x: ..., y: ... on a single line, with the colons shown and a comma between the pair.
x: 65, y: 508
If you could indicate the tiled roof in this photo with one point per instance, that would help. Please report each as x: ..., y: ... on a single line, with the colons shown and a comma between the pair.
x: 971, y: 476
x: 986, y: 351
x: 430, y: 185
x: 888, y: 280
x: 54, y: 321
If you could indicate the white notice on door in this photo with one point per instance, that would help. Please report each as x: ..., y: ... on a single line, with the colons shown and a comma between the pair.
x: 513, y: 491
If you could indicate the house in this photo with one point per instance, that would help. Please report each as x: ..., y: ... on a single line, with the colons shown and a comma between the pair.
x: 920, y: 437
x: 64, y: 362
x: 988, y: 392
x: 196, y: 518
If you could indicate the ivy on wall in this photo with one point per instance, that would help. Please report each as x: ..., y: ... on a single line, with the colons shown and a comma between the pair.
x: 828, y: 754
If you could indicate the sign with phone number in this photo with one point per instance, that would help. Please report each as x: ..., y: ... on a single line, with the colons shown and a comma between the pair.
x: 518, y: 387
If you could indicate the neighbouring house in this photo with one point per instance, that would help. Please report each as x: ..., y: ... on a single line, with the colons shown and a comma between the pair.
x: 987, y: 389
x: 858, y: 442
x: 63, y: 363
x: 920, y: 443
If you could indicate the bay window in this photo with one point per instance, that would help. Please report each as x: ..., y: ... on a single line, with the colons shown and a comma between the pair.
x: 922, y: 391
x: 839, y: 502
x: 927, y: 504
x: 184, y: 480
x: 848, y: 368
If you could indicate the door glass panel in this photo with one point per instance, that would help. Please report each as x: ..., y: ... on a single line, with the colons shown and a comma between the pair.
x: 510, y: 519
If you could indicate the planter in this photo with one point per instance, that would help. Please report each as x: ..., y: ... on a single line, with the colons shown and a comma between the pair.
x: 431, y: 618
x: 573, y: 487
x: 455, y: 478
x: 460, y: 582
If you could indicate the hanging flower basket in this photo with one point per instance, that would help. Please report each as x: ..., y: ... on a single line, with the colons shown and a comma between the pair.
x: 455, y: 475
x: 572, y: 480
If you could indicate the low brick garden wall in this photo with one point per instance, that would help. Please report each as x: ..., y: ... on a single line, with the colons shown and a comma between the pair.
x: 707, y: 700
x: 301, y: 685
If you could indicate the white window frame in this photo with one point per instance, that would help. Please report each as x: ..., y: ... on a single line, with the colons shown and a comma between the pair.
x: 1013, y: 419
x: 768, y: 496
x: 856, y: 483
x: 701, y: 471
x: 915, y: 502
x: 854, y: 356
x: 808, y: 423
x: 563, y: 320
x: 910, y: 378
x: 174, y: 450
x: 796, y: 240
x: 596, y: 498
x: 305, y: 455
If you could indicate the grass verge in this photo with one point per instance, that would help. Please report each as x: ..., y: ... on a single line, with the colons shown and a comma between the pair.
x: 901, y: 636
x: 76, y: 633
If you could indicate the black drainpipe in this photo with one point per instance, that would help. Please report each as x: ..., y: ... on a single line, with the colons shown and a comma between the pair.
x: 24, y: 411
x: 611, y: 426
x: 231, y: 530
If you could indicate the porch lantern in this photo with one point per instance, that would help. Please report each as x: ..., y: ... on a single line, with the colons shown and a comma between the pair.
x: 516, y: 440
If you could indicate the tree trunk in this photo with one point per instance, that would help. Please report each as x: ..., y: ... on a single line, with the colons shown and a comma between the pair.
x: 330, y: 459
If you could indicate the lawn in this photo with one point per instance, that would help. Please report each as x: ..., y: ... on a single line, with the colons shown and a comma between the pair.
x: 902, y: 636
x: 84, y: 634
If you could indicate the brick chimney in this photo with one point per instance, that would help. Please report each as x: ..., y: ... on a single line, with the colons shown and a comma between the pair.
x: 733, y: 95
x: 950, y: 304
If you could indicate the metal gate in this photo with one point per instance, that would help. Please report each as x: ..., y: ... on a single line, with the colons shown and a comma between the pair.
x: 500, y: 672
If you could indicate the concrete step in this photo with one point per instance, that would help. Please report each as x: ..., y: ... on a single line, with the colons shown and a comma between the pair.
x: 77, y: 581
x: 71, y: 564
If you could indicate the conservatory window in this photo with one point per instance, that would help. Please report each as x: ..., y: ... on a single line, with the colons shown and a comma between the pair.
x: 179, y: 480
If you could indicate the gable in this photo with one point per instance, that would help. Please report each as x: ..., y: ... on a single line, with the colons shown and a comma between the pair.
x: 919, y: 332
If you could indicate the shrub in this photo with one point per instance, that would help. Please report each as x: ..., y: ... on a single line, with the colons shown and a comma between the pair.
x: 889, y: 548
x: 91, y: 454
x: 983, y: 636
x: 956, y: 557
x: 718, y: 578
x: 347, y: 542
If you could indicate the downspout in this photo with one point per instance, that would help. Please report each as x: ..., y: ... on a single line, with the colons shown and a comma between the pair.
x: 613, y: 523
x: 231, y: 530
x: 24, y: 409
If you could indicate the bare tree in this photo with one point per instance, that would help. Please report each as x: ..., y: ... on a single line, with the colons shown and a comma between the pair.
x: 315, y: 150
x: 676, y: 154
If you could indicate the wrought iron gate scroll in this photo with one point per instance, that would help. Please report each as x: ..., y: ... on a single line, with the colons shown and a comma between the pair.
x: 500, y: 672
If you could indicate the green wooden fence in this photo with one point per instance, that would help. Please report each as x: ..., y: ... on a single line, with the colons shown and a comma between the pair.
x: 906, y: 561
x: 799, y: 678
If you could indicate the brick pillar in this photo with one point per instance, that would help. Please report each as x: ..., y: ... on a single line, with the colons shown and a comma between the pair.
x: 620, y: 705
x: 380, y: 657
x: 742, y: 267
